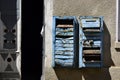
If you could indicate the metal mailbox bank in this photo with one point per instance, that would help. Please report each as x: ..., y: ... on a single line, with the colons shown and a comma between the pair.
x: 78, y: 42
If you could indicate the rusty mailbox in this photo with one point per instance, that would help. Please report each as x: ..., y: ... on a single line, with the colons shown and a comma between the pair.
x: 90, y: 41
x: 77, y: 41
x: 64, y: 41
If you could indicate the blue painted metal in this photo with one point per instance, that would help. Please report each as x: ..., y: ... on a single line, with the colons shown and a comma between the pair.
x: 63, y: 41
x: 65, y: 30
x: 63, y: 57
x: 61, y: 48
x: 64, y: 63
x: 64, y: 45
x: 90, y: 22
x: 65, y: 53
x: 53, y: 41
x: 91, y: 39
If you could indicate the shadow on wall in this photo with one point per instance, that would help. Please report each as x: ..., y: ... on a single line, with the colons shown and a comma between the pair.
x: 83, y: 74
x: 90, y: 73
x: 107, y: 48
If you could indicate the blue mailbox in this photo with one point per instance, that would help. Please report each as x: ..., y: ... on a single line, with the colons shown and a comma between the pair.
x: 90, y: 41
x: 77, y: 41
x: 63, y: 41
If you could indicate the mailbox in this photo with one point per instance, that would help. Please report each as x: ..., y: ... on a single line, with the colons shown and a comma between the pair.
x: 63, y: 41
x: 90, y: 41
x: 77, y: 41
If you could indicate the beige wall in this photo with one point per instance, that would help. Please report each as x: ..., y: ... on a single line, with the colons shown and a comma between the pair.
x: 106, y: 8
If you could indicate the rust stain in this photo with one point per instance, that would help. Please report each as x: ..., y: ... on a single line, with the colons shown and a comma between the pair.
x: 91, y: 51
x: 65, y: 26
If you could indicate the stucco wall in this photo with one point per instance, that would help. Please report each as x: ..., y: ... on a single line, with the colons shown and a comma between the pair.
x: 106, y: 8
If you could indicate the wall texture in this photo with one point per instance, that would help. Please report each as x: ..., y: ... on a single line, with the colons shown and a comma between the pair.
x: 106, y: 8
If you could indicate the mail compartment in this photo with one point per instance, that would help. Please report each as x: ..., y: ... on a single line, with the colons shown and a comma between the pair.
x: 91, y: 41
x: 64, y: 41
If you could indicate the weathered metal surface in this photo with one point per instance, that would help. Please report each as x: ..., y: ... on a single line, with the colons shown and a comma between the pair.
x: 90, y: 51
x: 64, y: 64
x: 61, y: 48
x: 94, y: 38
x: 90, y: 23
x: 64, y: 45
x: 65, y: 29
x: 63, y: 57
x: 64, y: 33
x: 92, y: 55
x: 91, y: 30
x: 63, y: 42
x: 70, y: 38
x: 91, y: 47
x: 65, y: 53
x: 67, y: 41
x: 93, y: 34
x: 58, y: 32
x: 64, y: 26
x: 91, y: 43
x: 64, y: 61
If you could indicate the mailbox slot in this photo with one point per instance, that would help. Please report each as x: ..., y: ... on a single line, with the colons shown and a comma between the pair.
x: 90, y: 23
